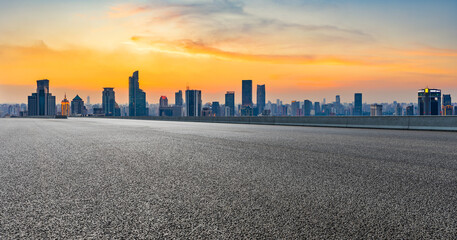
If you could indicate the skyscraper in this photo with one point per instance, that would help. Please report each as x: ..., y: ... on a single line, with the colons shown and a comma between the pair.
x: 447, y: 100
x: 429, y: 101
x: 163, y: 101
x: 376, y: 110
x: 307, y: 106
x: 42, y: 103
x: 260, y: 98
x: 178, y: 98
x: 230, y: 103
x: 65, y: 106
x: 88, y: 100
x: 337, y: 99
x: 109, y: 102
x: 215, y: 108
x: 77, y: 106
x: 246, y: 93
x: 357, y: 104
x: 410, y: 110
x: 193, y: 103
x: 137, y: 98
x: 295, y: 108
x: 317, y: 108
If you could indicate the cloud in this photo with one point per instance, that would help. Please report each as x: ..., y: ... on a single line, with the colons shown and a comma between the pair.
x: 189, y: 47
x: 126, y: 10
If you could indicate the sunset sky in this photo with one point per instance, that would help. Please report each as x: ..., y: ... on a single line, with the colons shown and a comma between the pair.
x: 301, y: 49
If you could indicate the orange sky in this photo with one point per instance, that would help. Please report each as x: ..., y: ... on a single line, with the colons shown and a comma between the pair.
x: 172, y: 46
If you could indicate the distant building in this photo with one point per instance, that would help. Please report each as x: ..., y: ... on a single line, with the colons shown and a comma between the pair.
x: 398, y: 110
x: 247, y: 111
x: 230, y: 103
x: 246, y: 98
x: 178, y: 98
x: 447, y: 105
x: 108, y: 102
x: 174, y: 111
x: 410, y: 110
x: 338, y: 99
x: 137, y: 98
x: 77, y: 106
x: 193, y: 103
x: 42, y: 103
x: 357, y: 105
x: 88, y: 100
x: 215, y: 108
x: 455, y: 110
x: 307, y: 106
x: 65, y: 106
x: 295, y: 108
x: 376, y: 110
x: 429, y: 101
x: 206, y: 112
x: 317, y: 108
x: 163, y: 101
x: 260, y: 98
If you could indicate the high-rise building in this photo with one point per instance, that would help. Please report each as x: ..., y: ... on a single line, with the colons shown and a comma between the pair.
x: 295, y: 108
x: 246, y: 98
x: 137, y: 98
x: 317, y: 108
x: 376, y: 110
x: 260, y: 98
x: 410, y: 110
x: 163, y: 101
x: 109, y: 102
x: 398, y: 110
x: 193, y: 103
x: 42, y: 103
x: 307, y: 106
x: 88, y: 100
x: 429, y: 101
x: 447, y: 105
x: 178, y: 98
x: 337, y: 99
x: 357, y: 104
x: 230, y: 103
x: 77, y: 106
x: 455, y: 110
x: 65, y: 106
x: 215, y: 108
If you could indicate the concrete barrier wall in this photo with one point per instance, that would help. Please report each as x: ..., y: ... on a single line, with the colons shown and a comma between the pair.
x: 442, y: 123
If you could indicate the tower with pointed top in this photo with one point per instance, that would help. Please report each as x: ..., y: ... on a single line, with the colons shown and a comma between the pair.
x: 65, y: 106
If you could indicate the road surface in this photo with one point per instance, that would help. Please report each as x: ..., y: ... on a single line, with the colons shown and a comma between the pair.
x: 93, y: 178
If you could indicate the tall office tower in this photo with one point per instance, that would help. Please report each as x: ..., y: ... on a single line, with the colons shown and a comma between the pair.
x: 447, y: 100
x: 376, y: 110
x: 230, y: 103
x: 307, y: 106
x: 357, y: 104
x: 65, y: 106
x: 410, y: 110
x: 109, y: 102
x: 447, y: 105
x: 246, y: 98
x: 337, y: 99
x: 193, y: 103
x: 178, y: 98
x: 317, y: 108
x: 42, y: 103
x: 215, y: 108
x: 398, y: 110
x: 137, y: 98
x: 429, y: 101
x: 88, y: 100
x: 163, y: 101
x: 77, y: 106
x: 260, y: 98
x: 295, y: 108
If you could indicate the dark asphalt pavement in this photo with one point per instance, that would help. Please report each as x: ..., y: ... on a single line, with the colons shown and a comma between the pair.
x: 106, y: 178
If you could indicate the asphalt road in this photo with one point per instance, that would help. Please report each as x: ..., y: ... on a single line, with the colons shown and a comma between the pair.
x: 105, y: 178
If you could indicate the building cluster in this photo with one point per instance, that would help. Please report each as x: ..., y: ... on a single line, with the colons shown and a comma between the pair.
x: 43, y: 103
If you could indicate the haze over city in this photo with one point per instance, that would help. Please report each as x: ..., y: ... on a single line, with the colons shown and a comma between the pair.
x: 298, y: 49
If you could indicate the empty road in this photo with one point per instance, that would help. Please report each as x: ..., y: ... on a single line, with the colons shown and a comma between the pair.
x: 107, y: 178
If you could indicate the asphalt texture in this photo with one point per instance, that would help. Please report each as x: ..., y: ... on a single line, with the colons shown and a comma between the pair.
x: 105, y: 178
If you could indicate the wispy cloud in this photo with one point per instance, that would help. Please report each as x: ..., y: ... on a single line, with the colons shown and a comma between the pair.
x: 126, y: 10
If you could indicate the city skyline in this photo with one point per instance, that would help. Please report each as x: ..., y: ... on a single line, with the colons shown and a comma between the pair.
x: 299, y: 49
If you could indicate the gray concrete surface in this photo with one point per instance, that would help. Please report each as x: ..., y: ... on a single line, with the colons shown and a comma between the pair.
x: 109, y: 178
